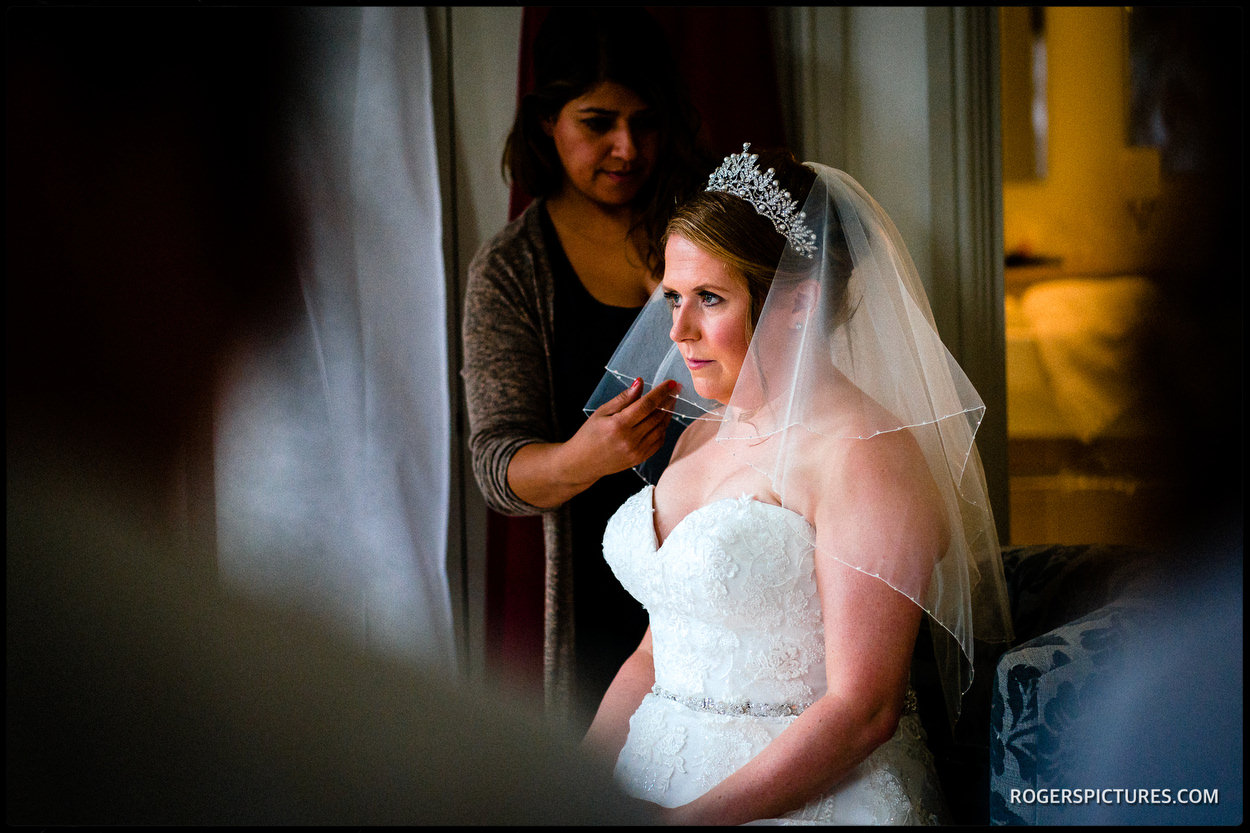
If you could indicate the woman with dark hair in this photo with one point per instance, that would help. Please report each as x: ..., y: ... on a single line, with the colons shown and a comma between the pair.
x: 606, y: 146
x: 825, y: 498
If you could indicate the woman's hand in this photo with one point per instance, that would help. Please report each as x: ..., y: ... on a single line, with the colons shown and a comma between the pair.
x: 625, y: 430
x: 620, y: 434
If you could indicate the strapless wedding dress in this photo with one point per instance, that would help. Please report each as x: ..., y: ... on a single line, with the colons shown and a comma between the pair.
x: 739, y: 652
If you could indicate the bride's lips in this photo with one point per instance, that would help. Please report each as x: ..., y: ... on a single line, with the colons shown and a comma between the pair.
x: 697, y: 364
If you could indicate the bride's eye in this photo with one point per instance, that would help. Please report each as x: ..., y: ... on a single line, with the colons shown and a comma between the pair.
x: 710, y: 299
x: 673, y: 299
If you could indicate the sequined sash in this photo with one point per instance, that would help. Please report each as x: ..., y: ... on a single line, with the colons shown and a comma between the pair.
x: 747, y: 708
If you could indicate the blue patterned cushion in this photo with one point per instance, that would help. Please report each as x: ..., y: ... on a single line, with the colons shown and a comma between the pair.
x: 1042, y: 688
x: 1064, y: 601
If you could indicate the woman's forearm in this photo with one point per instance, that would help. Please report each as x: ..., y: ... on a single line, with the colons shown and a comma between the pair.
x: 870, y: 630
x: 544, y: 475
x: 610, y: 727
x: 813, y: 754
x: 621, y: 433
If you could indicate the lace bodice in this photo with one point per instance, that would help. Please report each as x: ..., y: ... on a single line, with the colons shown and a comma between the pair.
x: 732, y: 598
x: 738, y: 647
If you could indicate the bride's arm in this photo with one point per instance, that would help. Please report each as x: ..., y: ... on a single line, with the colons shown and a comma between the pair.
x: 870, y: 632
x: 833, y: 735
x: 610, y: 727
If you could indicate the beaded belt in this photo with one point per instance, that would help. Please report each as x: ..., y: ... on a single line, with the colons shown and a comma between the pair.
x: 742, y: 708
x: 746, y: 708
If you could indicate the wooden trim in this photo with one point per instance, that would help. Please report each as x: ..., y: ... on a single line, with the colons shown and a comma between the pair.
x: 966, y: 207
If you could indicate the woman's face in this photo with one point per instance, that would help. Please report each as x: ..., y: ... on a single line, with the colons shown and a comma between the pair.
x: 711, y: 316
x: 607, y: 141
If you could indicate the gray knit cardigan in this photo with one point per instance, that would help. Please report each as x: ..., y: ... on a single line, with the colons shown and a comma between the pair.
x: 509, y: 340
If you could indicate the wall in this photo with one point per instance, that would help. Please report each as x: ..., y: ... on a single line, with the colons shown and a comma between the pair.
x: 845, y: 112
x: 1078, y: 213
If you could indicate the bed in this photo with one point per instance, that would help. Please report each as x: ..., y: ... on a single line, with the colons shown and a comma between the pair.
x: 1079, y: 440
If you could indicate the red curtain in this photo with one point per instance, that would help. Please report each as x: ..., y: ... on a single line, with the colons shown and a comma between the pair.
x: 726, y: 57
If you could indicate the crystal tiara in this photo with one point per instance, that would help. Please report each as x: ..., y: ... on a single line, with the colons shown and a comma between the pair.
x: 740, y: 175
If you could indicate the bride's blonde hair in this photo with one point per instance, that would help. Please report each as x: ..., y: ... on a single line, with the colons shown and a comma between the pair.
x: 729, y: 229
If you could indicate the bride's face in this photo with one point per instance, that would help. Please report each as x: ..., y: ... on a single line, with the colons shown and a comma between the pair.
x: 711, y: 316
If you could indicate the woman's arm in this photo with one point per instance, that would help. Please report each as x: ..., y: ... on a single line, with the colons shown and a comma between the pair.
x: 519, y: 466
x: 610, y: 727
x: 833, y: 735
x: 506, y: 374
x: 621, y: 433
x: 870, y: 633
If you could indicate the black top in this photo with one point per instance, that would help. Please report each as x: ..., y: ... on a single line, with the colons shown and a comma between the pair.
x: 608, y: 622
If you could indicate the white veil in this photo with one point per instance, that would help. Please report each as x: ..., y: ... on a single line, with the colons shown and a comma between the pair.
x: 845, y: 346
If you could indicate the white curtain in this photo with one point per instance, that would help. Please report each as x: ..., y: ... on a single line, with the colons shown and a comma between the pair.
x: 333, y: 436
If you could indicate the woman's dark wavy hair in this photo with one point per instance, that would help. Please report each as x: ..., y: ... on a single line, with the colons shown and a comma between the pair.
x: 576, y: 50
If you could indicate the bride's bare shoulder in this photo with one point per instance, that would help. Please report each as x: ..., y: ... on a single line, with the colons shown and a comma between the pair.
x: 884, y: 480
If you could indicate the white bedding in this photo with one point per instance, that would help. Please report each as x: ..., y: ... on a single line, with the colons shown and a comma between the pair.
x: 1069, y: 346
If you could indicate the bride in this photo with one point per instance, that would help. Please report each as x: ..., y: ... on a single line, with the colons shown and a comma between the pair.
x: 824, y: 496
